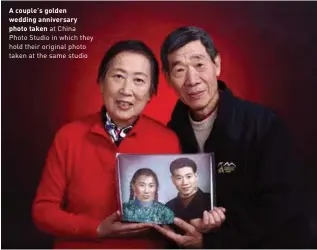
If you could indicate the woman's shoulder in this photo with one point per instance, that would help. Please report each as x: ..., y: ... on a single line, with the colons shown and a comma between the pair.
x: 158, y: 204
x: 155, y: 124
x: 161, y: 206
x: 78, y: 126
x: 166, y: 214
x: 128, y: 204
x: 156, y: 127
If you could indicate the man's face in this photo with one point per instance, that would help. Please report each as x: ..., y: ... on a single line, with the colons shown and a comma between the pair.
x: 185, y: 181
x: 193, y: 75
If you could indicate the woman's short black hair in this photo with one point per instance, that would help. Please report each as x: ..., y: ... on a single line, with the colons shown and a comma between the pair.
x: 133, y: 46
x: 182, y: 36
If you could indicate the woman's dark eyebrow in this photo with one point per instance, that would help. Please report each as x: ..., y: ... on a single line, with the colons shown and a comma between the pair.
x: 119, y: 69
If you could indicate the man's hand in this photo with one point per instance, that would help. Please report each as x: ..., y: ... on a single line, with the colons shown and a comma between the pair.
x: 211, y: 220
x: 112, y: 227
x: 191, y: 239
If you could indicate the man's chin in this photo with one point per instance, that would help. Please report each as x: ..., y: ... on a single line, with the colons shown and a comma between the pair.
x: 197, y: 107
x: 187, y: 194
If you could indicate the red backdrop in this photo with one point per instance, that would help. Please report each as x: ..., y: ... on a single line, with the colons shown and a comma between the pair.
x: 268, y: 52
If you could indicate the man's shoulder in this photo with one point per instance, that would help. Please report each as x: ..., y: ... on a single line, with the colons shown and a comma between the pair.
x: 204, y: 195
x: 238, y: 117
x: 171, y: 202
x: 242, y: 107
x: 244, y: 115
x: 252, y: 116
x: 253, y: 110
x: 244, y: 118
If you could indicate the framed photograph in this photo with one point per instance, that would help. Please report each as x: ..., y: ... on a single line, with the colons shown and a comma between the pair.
x: 156, y: 188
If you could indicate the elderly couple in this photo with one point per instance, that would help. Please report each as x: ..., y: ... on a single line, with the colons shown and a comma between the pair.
x: 257, y: 204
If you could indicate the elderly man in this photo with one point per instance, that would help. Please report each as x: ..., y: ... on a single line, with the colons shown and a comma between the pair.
x: 255, y: 176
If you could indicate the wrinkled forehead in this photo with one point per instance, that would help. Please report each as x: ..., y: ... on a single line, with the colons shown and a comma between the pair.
x: 191, y: 51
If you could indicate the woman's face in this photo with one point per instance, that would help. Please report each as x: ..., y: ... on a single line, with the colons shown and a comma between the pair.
x: 126, y: 87
x: 145, y: 188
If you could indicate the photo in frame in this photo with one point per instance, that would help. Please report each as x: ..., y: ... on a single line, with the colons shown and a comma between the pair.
x: 155, y: 188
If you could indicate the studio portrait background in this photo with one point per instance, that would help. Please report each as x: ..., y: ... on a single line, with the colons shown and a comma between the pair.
x: 269, y: 56
x: 160, y: 164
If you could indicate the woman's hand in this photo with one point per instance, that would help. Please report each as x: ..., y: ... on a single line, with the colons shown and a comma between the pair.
x: 113, y: 227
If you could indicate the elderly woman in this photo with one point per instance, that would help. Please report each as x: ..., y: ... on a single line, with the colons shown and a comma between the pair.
x: 76, y: 200
x: 143, y: 205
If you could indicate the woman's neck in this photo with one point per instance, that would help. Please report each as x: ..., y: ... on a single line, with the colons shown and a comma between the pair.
x: 124, y: 123
x: 144, y: 203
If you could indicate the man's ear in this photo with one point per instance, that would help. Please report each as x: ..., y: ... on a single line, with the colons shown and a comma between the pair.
x: 218, y: 64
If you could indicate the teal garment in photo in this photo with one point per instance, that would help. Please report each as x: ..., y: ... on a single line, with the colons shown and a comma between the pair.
x: 155, y: 213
